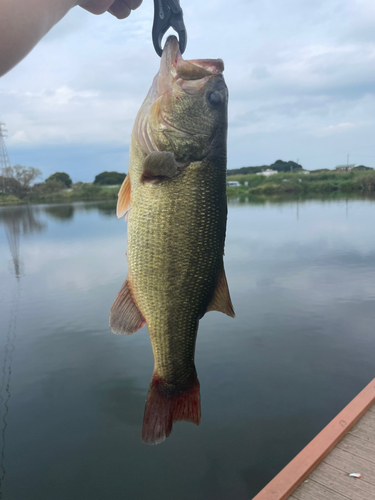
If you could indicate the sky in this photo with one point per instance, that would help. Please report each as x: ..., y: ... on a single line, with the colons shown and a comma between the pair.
x: 300, y: 74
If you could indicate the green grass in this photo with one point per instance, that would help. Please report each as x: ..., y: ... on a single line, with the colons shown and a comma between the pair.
x: 86, y: 192
x: 288, y: 184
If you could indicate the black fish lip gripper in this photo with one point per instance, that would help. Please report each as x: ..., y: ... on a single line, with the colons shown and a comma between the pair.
x: 168, y: 14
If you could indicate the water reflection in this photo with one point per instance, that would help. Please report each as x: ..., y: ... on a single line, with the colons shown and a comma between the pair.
x: 19, y: 221
x: 6, y: 373
x: 299, y: 199
x: 106, y: 208
x: 72, y: 394
x: 121, y: 399
x: 66, y: 212
x: 60, y: 212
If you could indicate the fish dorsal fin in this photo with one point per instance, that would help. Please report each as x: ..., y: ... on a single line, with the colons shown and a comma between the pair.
x: 221, y: 300
x: 123, y: 202
x: 125, y: 318
x: 159, y: 165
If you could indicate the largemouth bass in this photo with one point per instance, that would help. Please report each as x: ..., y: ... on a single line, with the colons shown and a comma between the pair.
x: 175, y: 197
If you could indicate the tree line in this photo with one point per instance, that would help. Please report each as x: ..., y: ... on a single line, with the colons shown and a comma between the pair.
x: 284, y: 166
x: 21, y: 181
x: 279, y: 166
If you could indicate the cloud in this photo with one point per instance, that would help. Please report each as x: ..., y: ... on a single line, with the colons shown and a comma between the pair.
x: 334, y: 129
x: 297, y: 73
x: 69, y: 116
x: 260, y: 73
x: 19, y: 138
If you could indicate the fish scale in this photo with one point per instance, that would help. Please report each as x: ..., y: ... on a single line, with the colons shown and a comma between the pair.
x: 175, y: 195
x: 175, y: 243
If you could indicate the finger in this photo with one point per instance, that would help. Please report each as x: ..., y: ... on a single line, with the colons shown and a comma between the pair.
x: 120, y: 9
x: 134, y: 4
x: 96, y: 6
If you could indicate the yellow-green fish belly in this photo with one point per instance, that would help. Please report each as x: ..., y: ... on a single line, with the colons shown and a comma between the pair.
x: 176, y: 235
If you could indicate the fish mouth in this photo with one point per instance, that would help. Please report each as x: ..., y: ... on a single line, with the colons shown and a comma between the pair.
x: 173, y: 67
x: 191, y: 76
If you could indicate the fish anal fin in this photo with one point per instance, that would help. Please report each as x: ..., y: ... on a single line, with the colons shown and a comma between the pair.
x: 159, y: 165
x: 164, y: 406
x: 125, y: 318
x: 123, y: 202
x: 221, y: 300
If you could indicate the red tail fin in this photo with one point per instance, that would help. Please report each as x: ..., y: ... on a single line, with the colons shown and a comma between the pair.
x: 165, y: 406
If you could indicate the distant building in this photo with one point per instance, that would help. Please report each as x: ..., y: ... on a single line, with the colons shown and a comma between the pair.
x: 306, y: 172
x: 344, y: 168
x: 267, y: 172
x: 233, y: 184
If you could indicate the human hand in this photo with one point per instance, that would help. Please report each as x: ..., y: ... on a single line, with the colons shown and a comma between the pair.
x: 118, y: 8
x: 23, y: 23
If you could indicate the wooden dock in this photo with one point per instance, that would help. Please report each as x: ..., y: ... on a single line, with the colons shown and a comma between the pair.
x: 354, y: 453
x: 321, y: 470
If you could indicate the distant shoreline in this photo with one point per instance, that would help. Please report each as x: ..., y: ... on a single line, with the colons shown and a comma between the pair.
x: 90, y: 192
x: 299, y: 183
x: 254, y: 187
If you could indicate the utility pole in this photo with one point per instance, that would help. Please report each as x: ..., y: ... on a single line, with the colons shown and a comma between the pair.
x: 347, y: 160
x: 4, y: 157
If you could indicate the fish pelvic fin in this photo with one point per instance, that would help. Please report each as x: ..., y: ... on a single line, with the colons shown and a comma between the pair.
x: 221, y: 300
x: 123, y: 201
x: 164, y: 406
x: 125, y: 318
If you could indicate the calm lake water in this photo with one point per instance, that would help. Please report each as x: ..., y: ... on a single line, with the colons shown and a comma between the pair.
x: 302, y: 280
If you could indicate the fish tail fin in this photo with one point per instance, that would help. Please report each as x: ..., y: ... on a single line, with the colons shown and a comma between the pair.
x: 164, y: 406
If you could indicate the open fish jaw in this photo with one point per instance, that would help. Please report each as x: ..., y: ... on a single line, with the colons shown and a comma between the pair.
x: 155, y: 118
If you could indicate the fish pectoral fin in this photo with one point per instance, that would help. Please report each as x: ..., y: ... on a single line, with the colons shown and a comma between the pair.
x: 123, y: 201
x: 221, y: 300
x: 158, y: 165
x: 125, y: 318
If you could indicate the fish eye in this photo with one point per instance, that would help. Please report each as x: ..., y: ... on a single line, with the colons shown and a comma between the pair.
x: 214, y: 98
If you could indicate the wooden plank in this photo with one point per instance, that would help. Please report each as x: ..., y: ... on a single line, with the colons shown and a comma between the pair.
x: 358, y: 447
x: 366, y: 424
x: 369, y: 419
x: 341, y: 483
x: 363, y: 432
x: 311, y: 490
x: 300, y: 467
x: 349, y: 463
